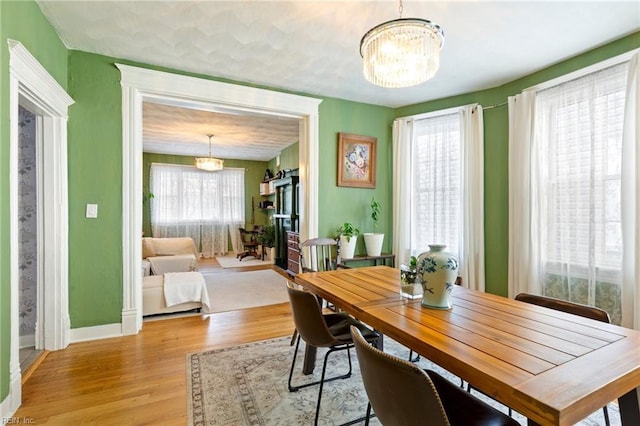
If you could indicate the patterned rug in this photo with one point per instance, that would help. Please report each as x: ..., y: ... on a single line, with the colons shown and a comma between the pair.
x: 247, y: 385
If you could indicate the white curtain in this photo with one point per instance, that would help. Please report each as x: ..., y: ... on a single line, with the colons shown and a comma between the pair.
x: 438, y: 188
x: 566, y: 190
x: 472, y: 206
x: 402, y: 194
x: 630, y: 199
x: 206, y: 206
x: 523, y: 267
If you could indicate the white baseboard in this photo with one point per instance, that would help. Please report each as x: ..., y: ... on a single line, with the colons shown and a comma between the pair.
x: 97, y: 332
x: 27, y: 341
x: 10, y: 405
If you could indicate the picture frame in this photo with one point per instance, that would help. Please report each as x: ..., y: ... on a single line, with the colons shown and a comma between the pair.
x: 356, y: 160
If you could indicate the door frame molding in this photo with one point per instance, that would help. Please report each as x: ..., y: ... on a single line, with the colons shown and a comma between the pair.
x: 140, y: 85
x: 31, y: 86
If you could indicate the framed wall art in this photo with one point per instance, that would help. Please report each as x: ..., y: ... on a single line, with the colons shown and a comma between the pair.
x: 356, y: 160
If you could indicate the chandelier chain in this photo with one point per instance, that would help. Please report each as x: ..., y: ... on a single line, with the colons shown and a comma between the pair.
x: 400, y: 8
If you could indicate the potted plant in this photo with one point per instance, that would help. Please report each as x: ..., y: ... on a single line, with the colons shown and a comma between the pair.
x: 373, y: 240
x: 410, y: 287
x: 267, y: 238
x: 348, y: 235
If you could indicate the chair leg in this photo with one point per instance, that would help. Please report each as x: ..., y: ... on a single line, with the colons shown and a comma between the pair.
x: 293, y: 363
x: 606, y: 416
x: 368, y: 415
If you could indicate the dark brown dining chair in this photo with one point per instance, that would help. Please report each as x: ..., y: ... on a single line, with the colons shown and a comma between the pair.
x: 579, y: 309
x: 402, y: 394
x: 331, y: 331
x: 249, y: 244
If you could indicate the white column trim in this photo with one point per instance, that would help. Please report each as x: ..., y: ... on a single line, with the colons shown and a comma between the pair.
x: 139, y: 85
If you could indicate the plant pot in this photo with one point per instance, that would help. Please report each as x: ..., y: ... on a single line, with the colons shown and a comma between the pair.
x: 373, y: 243
x: 348, y: 248
x: 269, y: 254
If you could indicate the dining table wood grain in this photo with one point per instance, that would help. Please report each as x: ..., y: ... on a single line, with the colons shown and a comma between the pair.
x: 553, y: 367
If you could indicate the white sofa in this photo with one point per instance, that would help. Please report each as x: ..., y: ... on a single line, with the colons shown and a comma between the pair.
x: 162, y: 255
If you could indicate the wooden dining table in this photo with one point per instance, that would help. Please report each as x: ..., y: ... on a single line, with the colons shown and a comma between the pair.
x: 553, y: 367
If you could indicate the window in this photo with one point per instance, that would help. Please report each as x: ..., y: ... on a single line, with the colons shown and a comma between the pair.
x: 572, y: 214
x: 438, y: 193
x: 579, y: 133
x: 436, y: 172
x: 189, y: 202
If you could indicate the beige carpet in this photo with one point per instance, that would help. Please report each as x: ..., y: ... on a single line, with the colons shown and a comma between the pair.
x: 240, y: 290
x: 230, y: 261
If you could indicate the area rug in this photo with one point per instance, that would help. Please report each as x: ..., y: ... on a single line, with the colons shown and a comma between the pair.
x: 231, y: 261
x: 229, y: 291
x: 247, y: 385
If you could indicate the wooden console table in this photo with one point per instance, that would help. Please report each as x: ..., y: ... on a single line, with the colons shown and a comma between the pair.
x: 377, y: 260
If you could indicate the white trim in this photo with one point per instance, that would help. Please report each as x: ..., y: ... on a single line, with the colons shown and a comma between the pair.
x: 583, y: 71
x: 139, y: 85
x: 31, y: 85
x: 97, y: 332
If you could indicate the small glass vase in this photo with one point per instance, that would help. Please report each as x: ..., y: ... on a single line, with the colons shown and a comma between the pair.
x: 410, y: 287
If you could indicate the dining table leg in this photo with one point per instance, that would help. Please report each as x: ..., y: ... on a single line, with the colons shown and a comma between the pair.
x: 309, y: 362
x: 630, y: 407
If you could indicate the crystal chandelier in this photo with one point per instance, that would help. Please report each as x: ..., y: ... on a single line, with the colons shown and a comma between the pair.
x: 209, y: 163
x: 401, y: 53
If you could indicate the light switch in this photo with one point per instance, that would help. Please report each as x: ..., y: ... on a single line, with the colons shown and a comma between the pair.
x: 92, y: 211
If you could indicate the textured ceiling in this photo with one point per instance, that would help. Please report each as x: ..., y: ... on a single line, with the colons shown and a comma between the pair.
x: 313, y: 47
x: 170, y: 130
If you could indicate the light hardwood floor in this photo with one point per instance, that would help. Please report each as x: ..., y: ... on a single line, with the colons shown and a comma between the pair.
x: 141, y: 379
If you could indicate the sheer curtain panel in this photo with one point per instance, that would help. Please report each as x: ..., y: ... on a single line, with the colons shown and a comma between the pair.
x: 206, y: 206
x: 438, y: 199
x: 568, y: 203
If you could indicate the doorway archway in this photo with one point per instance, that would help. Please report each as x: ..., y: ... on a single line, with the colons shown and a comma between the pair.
x: 140, y: 85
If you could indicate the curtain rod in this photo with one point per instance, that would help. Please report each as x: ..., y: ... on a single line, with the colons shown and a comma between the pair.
x: 494, y: 106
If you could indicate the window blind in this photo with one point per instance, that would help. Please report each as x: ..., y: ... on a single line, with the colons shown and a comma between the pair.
x: 436, y: 168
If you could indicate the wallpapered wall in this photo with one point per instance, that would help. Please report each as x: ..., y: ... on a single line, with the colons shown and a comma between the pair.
x: 27, y: 222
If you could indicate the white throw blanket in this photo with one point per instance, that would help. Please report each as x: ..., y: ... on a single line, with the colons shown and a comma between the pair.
x: 178, y: 263
x: 183, y: 287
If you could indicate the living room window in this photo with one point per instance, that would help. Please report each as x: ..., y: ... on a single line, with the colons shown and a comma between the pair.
x: 567, y: 140
x: 438, y: 187
x: 189, y: 202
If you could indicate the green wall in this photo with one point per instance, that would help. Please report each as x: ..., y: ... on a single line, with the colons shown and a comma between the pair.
x: 496, y: 139
x: 23, y: 22
x: 95, y: 132
x: 254, y: 172
x: 343, y: 204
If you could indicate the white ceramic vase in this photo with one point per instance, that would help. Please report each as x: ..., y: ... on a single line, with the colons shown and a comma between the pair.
x: 373, y: 243
x: 348, y: 248
x: 437, y: 271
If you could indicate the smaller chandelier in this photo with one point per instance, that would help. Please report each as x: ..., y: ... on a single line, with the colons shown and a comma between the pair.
x: 401, y: 53
x: 209, y: 163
